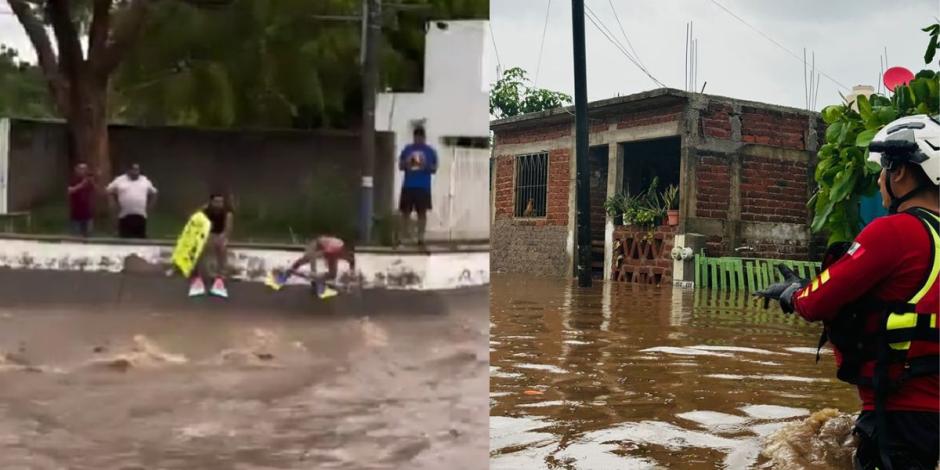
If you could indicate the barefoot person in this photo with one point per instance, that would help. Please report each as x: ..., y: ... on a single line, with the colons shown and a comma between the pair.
x: 418, y: 161
x: 222, y: 218
x: 332, y: 250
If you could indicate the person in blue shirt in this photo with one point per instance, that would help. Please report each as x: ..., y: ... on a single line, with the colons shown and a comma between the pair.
x: 418, y: 161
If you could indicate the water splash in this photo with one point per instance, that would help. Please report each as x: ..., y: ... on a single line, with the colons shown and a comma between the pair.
x: 823, y: 440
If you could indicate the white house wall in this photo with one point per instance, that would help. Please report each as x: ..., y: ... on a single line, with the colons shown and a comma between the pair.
x: 454, y: 103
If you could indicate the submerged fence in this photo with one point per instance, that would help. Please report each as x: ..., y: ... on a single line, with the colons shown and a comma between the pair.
x: 751, y: 274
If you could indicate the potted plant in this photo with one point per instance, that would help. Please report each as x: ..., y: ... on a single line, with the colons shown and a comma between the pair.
x: 615, y: 206
x: 631, y: 207
x: 671, y: 202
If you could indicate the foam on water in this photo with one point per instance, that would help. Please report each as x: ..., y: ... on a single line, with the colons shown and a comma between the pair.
x: 740, y: 349
x: 683, y: 351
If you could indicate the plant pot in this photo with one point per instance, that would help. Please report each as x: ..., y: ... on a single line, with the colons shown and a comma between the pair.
x: 672, y: 217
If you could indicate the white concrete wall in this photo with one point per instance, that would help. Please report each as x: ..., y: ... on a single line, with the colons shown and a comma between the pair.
x: 454, y: 103
x: 437, y: 271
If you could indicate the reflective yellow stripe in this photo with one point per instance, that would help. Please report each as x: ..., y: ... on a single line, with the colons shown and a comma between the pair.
x: 900, y: 321
x: 805, y: 293
x: 901, y: 346
x: 815, y: 285
x: 935, y: 270
x: 824, y: 277
x: 897, y: 321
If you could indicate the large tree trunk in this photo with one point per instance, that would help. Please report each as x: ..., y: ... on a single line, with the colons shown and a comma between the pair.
x: 88, y: 127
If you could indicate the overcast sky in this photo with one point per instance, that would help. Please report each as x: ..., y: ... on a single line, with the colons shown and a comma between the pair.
x: 848, y: 37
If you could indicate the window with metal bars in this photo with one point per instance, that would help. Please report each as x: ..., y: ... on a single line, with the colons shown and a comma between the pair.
x: 531, y: 185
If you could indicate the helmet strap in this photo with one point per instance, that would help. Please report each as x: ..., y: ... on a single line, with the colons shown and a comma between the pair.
x: 897, y: 201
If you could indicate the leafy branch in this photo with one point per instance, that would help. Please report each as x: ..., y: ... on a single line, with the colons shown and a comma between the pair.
x: 843, y: 172
x: 513, y: 95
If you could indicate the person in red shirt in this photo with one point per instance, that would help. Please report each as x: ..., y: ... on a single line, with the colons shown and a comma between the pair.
x: 81, y: 191
x: 879, y: 303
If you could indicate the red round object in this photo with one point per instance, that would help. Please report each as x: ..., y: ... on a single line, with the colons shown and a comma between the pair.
x: 897, y: 76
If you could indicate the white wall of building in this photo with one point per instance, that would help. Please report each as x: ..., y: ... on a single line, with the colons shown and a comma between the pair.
x: 454, y: 103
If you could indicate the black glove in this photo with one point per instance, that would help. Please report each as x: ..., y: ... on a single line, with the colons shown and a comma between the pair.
x: 783, y: 291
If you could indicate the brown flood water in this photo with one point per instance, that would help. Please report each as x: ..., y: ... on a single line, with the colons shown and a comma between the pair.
x: 633, y: 377
x: 139, y: 389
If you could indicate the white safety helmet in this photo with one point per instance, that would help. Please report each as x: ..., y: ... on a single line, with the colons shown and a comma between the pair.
x: 914, y: 139
x: 910, y: 139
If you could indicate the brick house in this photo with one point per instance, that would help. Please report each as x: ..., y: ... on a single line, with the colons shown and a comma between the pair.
x: 744, y: 171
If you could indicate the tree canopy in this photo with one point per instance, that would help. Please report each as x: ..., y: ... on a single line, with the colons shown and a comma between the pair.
x: 513, y: 95
x: 844, y: 173
x: 22, y: 92
x: 284, y: 63
x: 289, y: 63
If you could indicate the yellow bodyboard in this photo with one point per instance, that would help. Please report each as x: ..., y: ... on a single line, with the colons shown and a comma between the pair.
x: 191, y: 242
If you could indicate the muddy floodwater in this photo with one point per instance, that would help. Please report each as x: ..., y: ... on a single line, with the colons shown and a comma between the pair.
x: 633, y: 377
x: 133, y: 388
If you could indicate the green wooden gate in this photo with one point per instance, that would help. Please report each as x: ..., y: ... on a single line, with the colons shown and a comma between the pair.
x: 751, y: 274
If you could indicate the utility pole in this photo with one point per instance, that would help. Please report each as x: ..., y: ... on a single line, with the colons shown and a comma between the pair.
x: 371, y: 20
x: 370, y: 77
x: 582, y: 184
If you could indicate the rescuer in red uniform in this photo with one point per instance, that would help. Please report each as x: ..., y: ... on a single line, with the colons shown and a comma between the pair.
x: 879, y: 301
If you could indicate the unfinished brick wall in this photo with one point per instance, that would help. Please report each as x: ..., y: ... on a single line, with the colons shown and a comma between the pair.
x: 713, y: 187
x: 716, y: 121
x: 715, y: 245
x: 559, y: 181
x: 787, y: 249
x: 559, y: 173
x: 773, y: 190
x: 774, y: 128
x: 653, y: 116
x: 504, y: 197
x: 533, y: 134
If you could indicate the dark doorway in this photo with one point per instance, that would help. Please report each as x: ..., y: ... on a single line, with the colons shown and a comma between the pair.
x: 644, y: 160
x: 598, y: 168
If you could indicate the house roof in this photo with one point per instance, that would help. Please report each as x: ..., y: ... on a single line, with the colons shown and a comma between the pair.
x: 631, y: 103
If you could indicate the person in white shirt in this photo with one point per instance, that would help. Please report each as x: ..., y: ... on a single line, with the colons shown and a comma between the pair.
x: 132, y: 194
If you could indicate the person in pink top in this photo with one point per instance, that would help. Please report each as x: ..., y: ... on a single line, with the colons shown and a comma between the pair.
x: 332, y: 250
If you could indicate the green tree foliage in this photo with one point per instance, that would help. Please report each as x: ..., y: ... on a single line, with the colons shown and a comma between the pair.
x: 513, y: 95
x: 844, y: 173
x: 269, y: 63
x: 23, y: 91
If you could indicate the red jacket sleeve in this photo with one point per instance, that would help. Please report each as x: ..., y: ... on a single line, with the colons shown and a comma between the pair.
x: 874, y: 256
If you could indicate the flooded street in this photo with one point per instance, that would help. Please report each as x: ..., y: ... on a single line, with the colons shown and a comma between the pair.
x: 633, y: 377
x: 122, y: 388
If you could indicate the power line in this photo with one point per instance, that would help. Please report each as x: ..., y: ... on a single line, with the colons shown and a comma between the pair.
x: 499, y: 64
x: 607, y: 34
x: 617, y: 17
x: 538, y: 66
x: 607, y: 31
x: 781, y: 46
